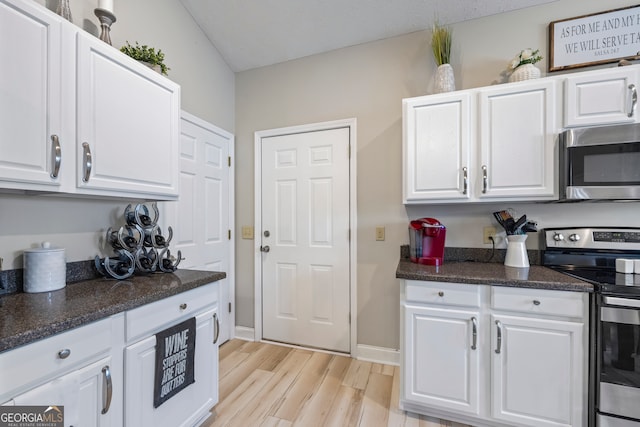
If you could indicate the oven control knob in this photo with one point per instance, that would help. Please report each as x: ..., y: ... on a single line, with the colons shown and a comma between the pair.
x: 574, y: 237
x: 558, y: 237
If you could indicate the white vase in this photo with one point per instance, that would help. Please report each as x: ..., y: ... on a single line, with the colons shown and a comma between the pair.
x: 516, y: 251
x: 524, y: 72
x: 445, y: 81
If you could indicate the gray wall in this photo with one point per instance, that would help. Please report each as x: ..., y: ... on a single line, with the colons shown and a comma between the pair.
x: 368, y: 82
x: 207, y: 89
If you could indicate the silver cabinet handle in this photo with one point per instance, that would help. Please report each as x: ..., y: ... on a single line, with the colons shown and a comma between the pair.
x: 536, y: 302
x: 265, y: 248
x: 499, y: 341
x: 64, y: 353
x: 440, y: 294
x: 88, y: 163
x: 634, y: 99
x: 183, y: 306
x: 465, y: 180
x: 216, y: 325
x: 474, y: 329
x: 485, y: 179
x: 109, y: 387
x: 56, y: 156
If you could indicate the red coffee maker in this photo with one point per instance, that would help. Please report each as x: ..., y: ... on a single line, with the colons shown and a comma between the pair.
x: 426, y: 241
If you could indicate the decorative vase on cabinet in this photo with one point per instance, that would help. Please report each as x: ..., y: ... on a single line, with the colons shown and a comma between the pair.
x: 524, y: 72
x: 445, y: 80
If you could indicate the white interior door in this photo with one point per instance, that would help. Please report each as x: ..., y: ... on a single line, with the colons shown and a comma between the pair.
x: 202, y: 217
x: 305, y: 225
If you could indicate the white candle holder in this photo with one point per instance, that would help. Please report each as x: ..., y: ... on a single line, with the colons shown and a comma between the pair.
x: 106, y: 18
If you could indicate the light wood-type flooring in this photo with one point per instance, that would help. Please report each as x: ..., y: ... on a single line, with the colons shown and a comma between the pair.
x: 270, y: 385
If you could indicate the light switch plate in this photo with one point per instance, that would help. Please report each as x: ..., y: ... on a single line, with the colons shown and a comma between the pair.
x: 247, y: 232
x: 379, y: 233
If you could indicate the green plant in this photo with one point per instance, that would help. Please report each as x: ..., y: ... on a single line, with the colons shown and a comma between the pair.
x: 146, y: 54
x: 441, y: 44
x: 526, y: 56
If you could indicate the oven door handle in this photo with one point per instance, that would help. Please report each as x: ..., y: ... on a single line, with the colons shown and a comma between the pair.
x: 622, y: 302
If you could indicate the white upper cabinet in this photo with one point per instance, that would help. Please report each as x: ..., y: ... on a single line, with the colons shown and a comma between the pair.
x: 30, y: 102
x: 517, y: 140
x: 490, y: 144
x: 602, y: 97
x: 80, y: 117
x: 437, y: 144
x: 127, y: 124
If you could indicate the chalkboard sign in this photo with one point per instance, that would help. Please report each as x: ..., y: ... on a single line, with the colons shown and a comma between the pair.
x: 594, y: 39
x: 175, y: 351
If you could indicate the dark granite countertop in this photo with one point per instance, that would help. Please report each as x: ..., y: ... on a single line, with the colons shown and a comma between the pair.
x: 25, y: 318
x: 492, y: 274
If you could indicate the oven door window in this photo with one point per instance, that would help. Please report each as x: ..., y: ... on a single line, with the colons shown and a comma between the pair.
x: 620, y: 346
x: 604, y: 165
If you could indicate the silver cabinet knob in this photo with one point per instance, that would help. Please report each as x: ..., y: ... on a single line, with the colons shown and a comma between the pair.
x: 64, y: 353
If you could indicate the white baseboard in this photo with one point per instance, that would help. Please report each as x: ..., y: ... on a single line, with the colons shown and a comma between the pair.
x: 244, y: 333
x: 368, y: 353
x: 371, y: 353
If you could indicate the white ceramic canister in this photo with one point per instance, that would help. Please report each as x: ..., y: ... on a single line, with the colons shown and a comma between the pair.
x: 45, y: 269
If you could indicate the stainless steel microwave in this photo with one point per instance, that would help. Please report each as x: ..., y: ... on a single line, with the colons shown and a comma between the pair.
x: 600, y: 163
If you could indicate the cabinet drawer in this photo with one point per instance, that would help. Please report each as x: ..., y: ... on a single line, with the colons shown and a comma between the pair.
x: 443, y: 293
x: 154, y: 317
x: 539, y: 301
x: 25, y: 367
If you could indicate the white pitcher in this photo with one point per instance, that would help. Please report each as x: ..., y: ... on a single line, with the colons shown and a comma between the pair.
x: 516, y: 251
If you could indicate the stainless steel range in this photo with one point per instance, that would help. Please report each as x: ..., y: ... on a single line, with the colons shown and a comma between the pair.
x: 590, y: 254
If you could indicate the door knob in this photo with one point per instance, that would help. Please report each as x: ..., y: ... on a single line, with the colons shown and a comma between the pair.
x: 265, y: 248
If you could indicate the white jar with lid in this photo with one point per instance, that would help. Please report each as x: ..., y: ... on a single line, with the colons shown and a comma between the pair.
x: 45, y: 269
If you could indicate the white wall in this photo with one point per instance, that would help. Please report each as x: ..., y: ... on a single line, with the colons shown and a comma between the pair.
x: 368, y: 82
x: 207, y: 89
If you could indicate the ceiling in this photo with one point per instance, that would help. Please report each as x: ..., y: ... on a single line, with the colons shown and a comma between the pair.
x: 254, y: 33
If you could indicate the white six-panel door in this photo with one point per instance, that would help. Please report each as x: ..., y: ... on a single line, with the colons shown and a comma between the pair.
x: 305, y: 224
x: 201, y: 219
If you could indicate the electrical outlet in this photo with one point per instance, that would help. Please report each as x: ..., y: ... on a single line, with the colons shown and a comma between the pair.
x: 489, y: 232
x: 379, y: 233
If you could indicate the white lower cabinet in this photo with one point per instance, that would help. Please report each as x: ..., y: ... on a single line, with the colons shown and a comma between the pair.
x: 103, y: 372
x: 191, y: 405
x: 80, y: 369
x: 86, y: 395
x: 494, y: 356
x: 444, y: 375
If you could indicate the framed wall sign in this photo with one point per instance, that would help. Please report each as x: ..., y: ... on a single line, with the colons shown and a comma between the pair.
x: 598, y: 38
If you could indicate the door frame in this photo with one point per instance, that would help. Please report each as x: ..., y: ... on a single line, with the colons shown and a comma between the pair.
x: 353, y: 238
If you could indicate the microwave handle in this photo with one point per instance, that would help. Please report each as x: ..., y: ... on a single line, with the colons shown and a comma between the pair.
x: 634, y: 99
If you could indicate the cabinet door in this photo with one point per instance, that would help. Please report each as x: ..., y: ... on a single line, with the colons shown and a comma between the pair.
x: 437, y: 138
x: 128, y: 117
x: 191, y: 404
x: 537, y: 371
x: 30, y: 102
x: 517, y: 142
x: 441, y: 358
x: 602, y: 97
x: 85, y: 395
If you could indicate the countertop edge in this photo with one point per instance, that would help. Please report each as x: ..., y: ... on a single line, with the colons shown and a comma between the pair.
x: 535, y: 277
x: 45, y: 330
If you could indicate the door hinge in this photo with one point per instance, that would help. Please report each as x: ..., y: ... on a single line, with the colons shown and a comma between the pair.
x: 229, y: 161
x: 229, y: 232
x: 349, y: 318
x: 229, y: 307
